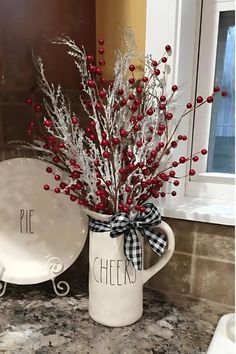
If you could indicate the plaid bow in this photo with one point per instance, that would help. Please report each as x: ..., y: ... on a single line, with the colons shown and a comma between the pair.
x: 120, y: 224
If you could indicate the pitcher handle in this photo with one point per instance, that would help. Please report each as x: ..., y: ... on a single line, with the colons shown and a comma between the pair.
x: 148, y: 273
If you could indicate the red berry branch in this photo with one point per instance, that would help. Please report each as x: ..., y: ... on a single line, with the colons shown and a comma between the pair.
x: 123, y: 155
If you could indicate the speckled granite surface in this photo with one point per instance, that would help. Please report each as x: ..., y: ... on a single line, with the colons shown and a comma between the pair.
x: 36, y: 321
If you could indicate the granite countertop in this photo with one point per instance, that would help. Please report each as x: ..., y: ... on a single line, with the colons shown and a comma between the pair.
x: 34, y: 320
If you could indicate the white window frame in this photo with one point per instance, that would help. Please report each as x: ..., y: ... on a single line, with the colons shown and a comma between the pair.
x: 177, y: 23
x: 221, y: 184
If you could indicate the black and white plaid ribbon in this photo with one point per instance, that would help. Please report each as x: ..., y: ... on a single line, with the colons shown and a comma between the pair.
x: 120, y: 224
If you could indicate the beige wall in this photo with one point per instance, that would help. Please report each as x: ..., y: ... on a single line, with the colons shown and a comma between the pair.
x: 202, y: 265
x: 111, y: 17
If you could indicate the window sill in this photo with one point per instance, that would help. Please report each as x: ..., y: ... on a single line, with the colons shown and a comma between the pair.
x: 200, y: 209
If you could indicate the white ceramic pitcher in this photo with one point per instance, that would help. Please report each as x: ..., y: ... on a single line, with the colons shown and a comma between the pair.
x: 115, y: 287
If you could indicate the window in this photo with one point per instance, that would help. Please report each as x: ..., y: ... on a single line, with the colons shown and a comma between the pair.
x: 221, y: 140
x: 201, y: 33
x: 213, y: 124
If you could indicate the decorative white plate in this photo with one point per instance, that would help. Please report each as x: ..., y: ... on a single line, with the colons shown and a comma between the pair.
x: 38, y: 228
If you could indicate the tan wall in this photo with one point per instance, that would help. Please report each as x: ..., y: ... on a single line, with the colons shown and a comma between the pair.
x: 202, y: 265
x: 111, y: 17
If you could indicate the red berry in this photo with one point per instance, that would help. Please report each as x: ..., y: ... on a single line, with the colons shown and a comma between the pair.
x: 92, y: 124
x: 161, y: 144
x: 131, y: 96
x: 155, y: 193
x: 57, y: 190
x: 199, y: 99
x: 141, y: 164
x: 224, y: 93
x: 163, y: 194
x: 164, y: 60
x: 122, y: 171
x: 57, y: 177
x: 144, y: 196
x: 99, y: 106
x: 92, y: 137
x: 145, y: 79
x: 98, y: 71
x: 129, y: 201
x: 163, y: 98
x: 101, y: 41
x: 37, y: 108
x: 157, y: 72
x: 123, y: 133
x: 105, y: 142
x: 182, y: 159
x: 168, y: 48
x: 128, y: 189
x: 173, y: 193
x: 104, y: 135
x: 189, y: 105
x: 169, y: 116
x: 184, y: 138
x: 195, y: 158
x: 91, y: 83
x: 90, y: 58
x: 162, y: 106
x: 162, y: 126
x: 140, y: 117
x: 139, y: 144
x: 150, y: 112
x: 192, y: 172
x: 123, y: 102
x: 63, y: 185
x: 75, y: 174
x: 101, y: 62
x: 130, y: 154
x: 61, y: 145
x: 101, y: 50
x: 29, y: 101
x: 67, y: 191
x: 216, y: 89
x: 31, y: 124
x: 46, y: 187
x: 74, y: 120
x: 116, y: 141
x: 102, y: 94
x: 153, y: 153
x: 49, y: 170
x: 139, y: 90
x: 47, y: 123
x: 120, y: 92
x: 92, y: 69
x: 137, y: 128
x: 56, y: 159
x: 134, y: 108
x: 72, y: 162
x: 180, y: 137
x: 204, y: 151
x: 131, y: 80
x: 174, y: 88
x: 174, y: 144
x: 125, y: 209
x: 209, y: 99
x: 73, y: 198
x: 172, y: 173
x: 132, y: 67
x: 106, y: 154
x: 108, y: 183
x: 176, y: 182
x: 154, y: 63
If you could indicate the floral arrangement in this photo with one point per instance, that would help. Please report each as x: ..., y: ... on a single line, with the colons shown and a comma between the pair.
x: 123, y: 156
